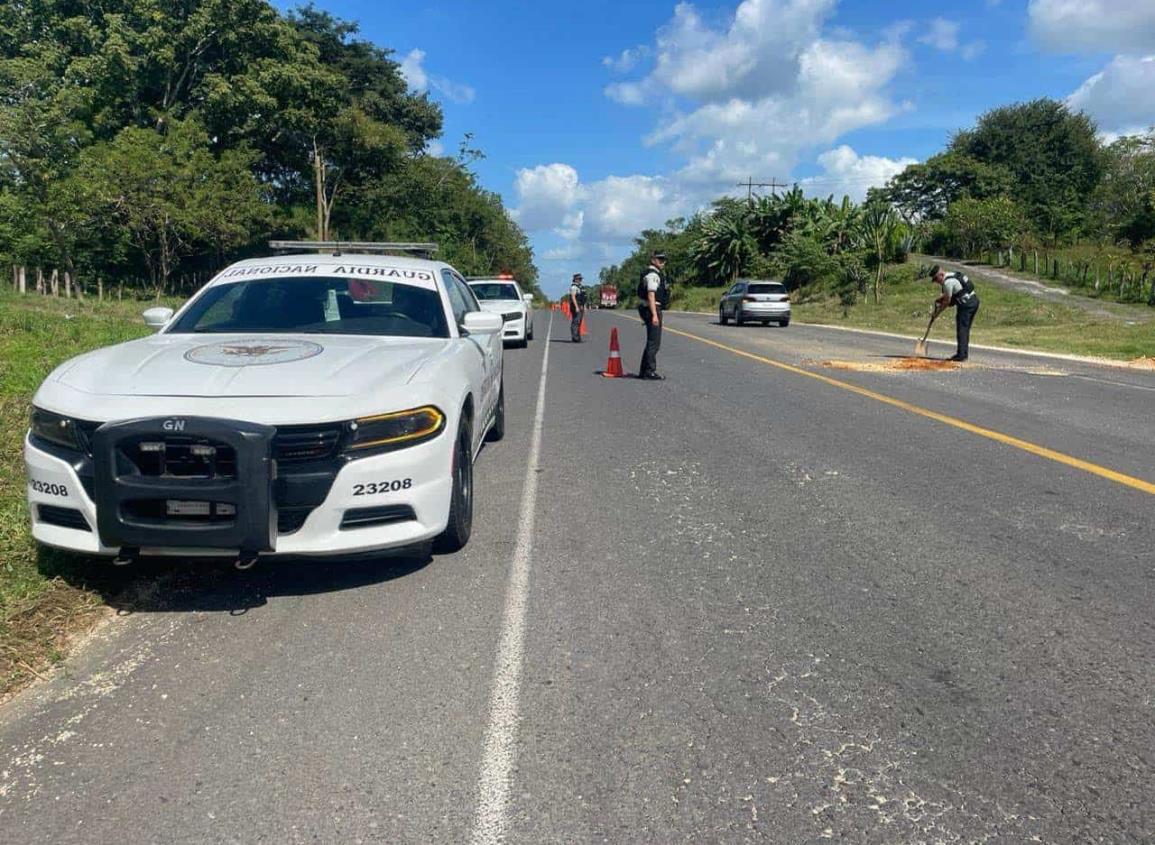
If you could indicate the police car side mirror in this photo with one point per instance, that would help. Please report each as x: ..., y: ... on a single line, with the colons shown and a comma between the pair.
x: 528, y: 297
x: 157, y: 318
x: 482, y: 322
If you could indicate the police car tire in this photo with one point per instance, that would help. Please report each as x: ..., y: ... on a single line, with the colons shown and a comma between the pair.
x: 529, y: 334
x: 460, y: 526
x: 722, y: 319
x: 738, y: 321
x: 497, y: 430
x: 783, y: 323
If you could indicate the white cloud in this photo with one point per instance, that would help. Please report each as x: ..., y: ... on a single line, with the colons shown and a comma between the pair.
x: 627, y: 60
x: 942, y: 35
x: 972, y: 50
x: 552, y: 198
x: 846, y: 173
x: 413, y: 70
x: 754, y: 56
x: 752, y: 93
x: 546, y: 196
x: 1093, y: 26
x: 1121, y: 97
x: 626, y: 93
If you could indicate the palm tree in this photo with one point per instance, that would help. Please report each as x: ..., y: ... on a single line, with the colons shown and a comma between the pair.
x: 878, y: 228
x: 726, y: 245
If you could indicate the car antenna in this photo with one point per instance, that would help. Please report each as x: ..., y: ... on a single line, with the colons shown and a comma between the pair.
x: 424, y: 250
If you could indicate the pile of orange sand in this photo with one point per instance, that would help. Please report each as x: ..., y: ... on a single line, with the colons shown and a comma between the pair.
x: 900, y: 364
x: 1145, y: 363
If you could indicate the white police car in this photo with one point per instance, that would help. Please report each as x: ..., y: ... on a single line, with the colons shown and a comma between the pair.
x: 503, y: 295
x: 308, y: 404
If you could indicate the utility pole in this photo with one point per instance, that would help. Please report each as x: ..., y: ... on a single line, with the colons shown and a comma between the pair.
x: 750, y: 185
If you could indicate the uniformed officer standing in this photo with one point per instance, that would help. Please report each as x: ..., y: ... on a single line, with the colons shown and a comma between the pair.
x: 653, y: 299
x: 577, y: 303
x: 957, y: 291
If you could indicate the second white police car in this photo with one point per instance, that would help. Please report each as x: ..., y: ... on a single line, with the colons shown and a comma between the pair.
x: 503, y: 295
x: 308, y: 404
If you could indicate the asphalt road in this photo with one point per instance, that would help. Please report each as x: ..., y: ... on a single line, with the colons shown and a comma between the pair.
x: 744, y: 604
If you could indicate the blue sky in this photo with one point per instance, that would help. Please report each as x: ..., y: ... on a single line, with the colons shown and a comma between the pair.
x: 601, y: 118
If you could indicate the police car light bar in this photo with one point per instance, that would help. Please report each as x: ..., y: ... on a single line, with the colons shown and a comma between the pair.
x: 338, y: 247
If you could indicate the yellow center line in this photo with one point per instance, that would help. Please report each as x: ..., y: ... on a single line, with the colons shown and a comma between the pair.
x: 997, y: 436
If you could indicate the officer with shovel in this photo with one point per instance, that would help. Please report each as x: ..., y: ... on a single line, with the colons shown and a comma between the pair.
x: 958, y: 292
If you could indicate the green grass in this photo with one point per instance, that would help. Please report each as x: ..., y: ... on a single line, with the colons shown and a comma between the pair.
x: 1005, y: 318
x: 39, y: 609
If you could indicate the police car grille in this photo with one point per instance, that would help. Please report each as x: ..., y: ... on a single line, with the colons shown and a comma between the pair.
x: 183, y: 457
x: 295, y: 444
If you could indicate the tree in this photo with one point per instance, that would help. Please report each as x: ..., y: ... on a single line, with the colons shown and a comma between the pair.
x: 879, y: 229
x: 726, y: 244
x: 922, y: 192
x: 978, y: 225
x: 167, y: 191
x: 1053, y: 158
x: 1123, y: 205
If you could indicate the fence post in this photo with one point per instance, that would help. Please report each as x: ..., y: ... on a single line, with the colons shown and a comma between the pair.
x: 1036, y: 262
x: 23, y: 279
x: 1096, y: 277
x: 67, y: 285
x: 39, y: 280
x: 54, y: 282
x: 100, y: 289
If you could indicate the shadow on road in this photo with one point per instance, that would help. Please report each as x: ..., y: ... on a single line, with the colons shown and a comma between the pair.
x: 176, y: 585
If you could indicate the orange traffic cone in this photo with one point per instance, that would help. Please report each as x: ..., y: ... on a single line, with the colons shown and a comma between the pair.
x: 582, y: 329
x: 565, y: 309
x: 614, y: 365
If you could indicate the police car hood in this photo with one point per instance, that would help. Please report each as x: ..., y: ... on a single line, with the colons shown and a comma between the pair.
x: 235, y: 366
x: 500, y: 306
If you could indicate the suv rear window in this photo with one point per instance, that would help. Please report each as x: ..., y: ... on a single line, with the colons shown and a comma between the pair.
x: 773, y: 287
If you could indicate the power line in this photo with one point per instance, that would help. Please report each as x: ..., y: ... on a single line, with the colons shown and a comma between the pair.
x: 750, y: 185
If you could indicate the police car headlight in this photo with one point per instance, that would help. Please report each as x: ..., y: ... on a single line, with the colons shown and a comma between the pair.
x: 56, y: 429
x: 394, y: 431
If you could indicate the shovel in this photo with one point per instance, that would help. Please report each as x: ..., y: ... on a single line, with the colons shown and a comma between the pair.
x: 920, y: 347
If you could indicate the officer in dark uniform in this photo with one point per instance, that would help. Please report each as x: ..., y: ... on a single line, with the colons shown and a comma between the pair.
x: 577, y: 304
x: 653, y: 299
x: 957, y: 291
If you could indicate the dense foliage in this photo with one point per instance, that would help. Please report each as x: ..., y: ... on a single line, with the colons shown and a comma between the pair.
x: 804, y: 241
x: 139, y: 138
x: 1032, y: 176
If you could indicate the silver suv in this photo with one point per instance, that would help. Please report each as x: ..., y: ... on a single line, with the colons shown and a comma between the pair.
x: 755, y: 300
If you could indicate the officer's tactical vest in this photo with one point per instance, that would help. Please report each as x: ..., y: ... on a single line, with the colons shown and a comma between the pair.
x: 661, y: 295
x: 968, y: 287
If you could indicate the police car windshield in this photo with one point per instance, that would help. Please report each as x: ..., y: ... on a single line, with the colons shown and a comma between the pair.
x: 772, y: 287
x: 316, y: 305
x: 495, y: 290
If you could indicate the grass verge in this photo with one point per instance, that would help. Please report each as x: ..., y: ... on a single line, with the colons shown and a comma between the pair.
x: 1006, y: 317
x: 45, y: 598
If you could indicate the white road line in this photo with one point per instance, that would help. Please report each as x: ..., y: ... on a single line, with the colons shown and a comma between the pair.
x: 500, y: 748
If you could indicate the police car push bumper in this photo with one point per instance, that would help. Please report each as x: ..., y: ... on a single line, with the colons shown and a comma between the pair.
x: 376, y: 502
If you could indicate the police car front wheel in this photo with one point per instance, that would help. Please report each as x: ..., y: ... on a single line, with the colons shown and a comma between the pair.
x: 460, y: 526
